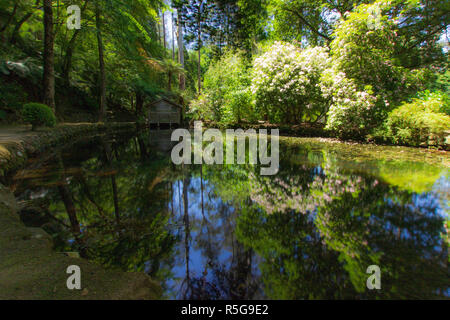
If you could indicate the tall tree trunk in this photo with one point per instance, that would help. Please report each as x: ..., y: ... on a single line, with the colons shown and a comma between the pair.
x: 116, y: 199
x: 70, y: 208
x: 181, y: 50
x: 173, y: 38
x: 49, y: 56
x: 101, y: 61
x: 139, y: 103
x: 199, y: 69
x: 142, y: 148
x: 164, y: 29
x: 66, y: 197
x: 181, y: 58
x: 169, y: 84
x: 67, y: 66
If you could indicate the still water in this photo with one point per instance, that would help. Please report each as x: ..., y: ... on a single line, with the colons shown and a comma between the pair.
x: 226, y: 232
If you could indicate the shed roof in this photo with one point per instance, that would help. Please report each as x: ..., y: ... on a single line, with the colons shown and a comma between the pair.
x: 166, y: 100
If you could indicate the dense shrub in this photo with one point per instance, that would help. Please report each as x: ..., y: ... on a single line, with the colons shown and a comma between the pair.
x: 286, y: 83
x: 200, y: 109
x: 423, y: 122
x: 227, y: 97
x: 353, y: 113
x: 38, y: 114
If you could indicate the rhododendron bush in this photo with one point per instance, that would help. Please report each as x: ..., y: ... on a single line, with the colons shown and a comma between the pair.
x: 286, y: 83
x: 352, y: 112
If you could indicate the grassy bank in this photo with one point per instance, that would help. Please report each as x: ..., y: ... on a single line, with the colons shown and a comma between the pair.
x: 30, y: 269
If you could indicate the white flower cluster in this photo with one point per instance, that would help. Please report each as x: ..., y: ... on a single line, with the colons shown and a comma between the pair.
x: 350, y: 107
x: 288, y: 77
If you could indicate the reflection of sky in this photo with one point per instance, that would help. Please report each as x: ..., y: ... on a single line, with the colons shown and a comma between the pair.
x: 197, y: 259
x: 442, y: 187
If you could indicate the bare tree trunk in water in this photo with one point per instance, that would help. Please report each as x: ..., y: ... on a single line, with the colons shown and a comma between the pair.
x: 201, y: 188
x: 187, y: 232
x: 101, y: 61
x: 49, y: 57
x: 70, y: 208
x: 66, y: 197
x: 108, y: 155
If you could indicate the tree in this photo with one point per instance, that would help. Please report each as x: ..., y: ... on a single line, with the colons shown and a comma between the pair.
x: 172, y: 68
x: 227, y: 90
x: 309, y: 20
x: 178, y: 4
x: 196, y: 15
x: 67, y: 66
x: 101, y: 61
x: 49, y: 56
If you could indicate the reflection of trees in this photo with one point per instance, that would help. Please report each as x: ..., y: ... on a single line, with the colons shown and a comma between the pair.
x: 309, y: 232
x: 115, y: 205
x: 66, y: 197
x: 382, y: 226
x: 212, y: 225
x: 329, y: 227
x: 296, y: 264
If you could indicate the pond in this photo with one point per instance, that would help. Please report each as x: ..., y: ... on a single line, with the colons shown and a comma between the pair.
x: 226, y: 232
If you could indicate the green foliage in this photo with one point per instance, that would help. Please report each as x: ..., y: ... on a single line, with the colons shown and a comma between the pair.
x: 227, y: 98
x: 38, y: 114
x: 365, y: 47
x: 12, y: 97
x: 305, y: 20
x: 381, y: 53
x: 425, y: 121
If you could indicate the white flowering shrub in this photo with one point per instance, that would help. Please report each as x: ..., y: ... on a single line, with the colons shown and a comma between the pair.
x: 353, y: 113
x: 286, y: 83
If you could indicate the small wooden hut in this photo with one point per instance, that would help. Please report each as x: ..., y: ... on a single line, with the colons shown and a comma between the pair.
x: 164, y: 111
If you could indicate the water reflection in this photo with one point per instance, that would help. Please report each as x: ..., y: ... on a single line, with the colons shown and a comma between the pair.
x: 225, y: 232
